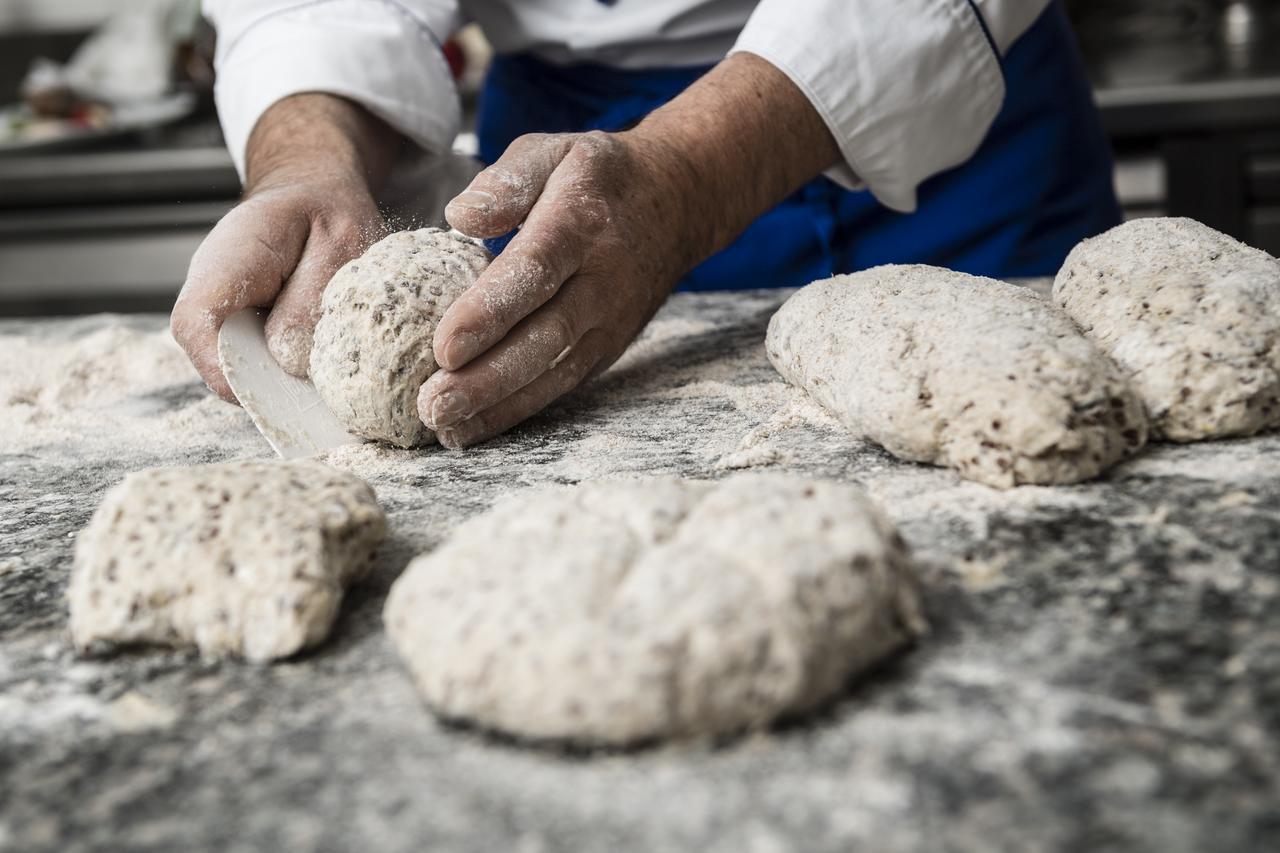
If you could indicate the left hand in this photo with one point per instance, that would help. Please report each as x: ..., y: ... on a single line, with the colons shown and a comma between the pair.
x: 601, y: 246
x: 609, y: 222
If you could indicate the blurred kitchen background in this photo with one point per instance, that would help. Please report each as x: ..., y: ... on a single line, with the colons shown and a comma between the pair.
x: 101, y: 207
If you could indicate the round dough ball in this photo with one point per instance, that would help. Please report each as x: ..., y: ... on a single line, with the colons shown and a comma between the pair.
x: 372, y: 348
x: 1193, y: 318
x: 620, y: 612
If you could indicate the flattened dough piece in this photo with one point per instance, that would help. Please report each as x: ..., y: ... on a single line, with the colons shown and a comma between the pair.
x: 618, y: 612
x: 241, y: 558
x: 1191, y: 315
x: 941, y: 367
x: 372, y: 349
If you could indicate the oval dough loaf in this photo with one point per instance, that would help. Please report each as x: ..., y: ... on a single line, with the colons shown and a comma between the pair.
x: 1191, y: 315
x: 242, y: 558
x: 372, y: 349
x: 946, y: 368
x: 619, y: 612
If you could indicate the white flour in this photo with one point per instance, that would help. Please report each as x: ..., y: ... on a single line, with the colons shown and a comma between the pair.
x: 113, y: 394
x: 103, y: 382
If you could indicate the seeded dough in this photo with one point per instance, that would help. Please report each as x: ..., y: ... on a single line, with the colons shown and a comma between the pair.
x: 242, y: 558
x: 372, y: 349
x: 1191, y: 315
x: 618, y: 612
x: 946, y: 368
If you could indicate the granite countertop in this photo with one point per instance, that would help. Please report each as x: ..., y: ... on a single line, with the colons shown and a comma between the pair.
x: 1103, y: 669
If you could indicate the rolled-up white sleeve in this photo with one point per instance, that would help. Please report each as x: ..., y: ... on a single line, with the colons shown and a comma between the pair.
x: 382, y: 54
x: 909, y: 88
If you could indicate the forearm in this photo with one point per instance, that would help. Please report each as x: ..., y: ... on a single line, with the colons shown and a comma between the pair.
x: 319, y: 135
x: 737, y: 142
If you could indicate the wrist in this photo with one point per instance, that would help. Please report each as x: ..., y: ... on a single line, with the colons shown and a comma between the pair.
x: 733, y: 145
x: 330, y: 182
x: 678, y: 187
x: 315, y: 138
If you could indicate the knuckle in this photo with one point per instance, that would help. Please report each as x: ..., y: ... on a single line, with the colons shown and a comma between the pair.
x: 178, y: 328
x: 594, y: 161
x: 338, y: 224
x: 532, y: 145
x: 563, y: 333
x: 596, y: 153
x: 530, y: 140
x: 543, y: 141
x: 510, y: 186
x: 593, y: 212
x: 182, y: 325
x: 595, y: 142
x: 344, y: 230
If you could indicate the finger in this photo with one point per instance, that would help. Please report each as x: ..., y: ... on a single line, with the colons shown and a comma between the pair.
x: 550, y: 247
x: 500, y: 197
x: 520, y: 280
x: 241, y: 264
x: 581, y: 362
x: 532, y: 348
x: 293, y: 318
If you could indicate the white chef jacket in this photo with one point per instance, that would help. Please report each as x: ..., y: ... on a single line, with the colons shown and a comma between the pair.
x: 908, y: 88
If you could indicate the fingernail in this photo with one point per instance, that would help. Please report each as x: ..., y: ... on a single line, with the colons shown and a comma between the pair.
x: 474, y: 200
x: 448, y: 439
x: 461, y: 348
x: 463, y: 434
x: 449, y: 408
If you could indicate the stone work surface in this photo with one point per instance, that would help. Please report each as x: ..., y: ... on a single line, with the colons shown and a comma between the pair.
x: 1102, y: 672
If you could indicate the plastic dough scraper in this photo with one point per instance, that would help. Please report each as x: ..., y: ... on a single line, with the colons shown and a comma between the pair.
x: 288, y: 411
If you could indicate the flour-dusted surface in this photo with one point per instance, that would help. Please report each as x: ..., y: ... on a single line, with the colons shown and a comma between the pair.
x: 1193, y: 318
x: 242, y: 558
x: 941, y: 367
x: 621, y: 612
x: 372, y: 348
x: 1100, y: 671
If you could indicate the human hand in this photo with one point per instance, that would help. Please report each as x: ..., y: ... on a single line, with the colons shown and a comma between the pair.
x: 308, y: 210
x: 278, y: 248
x: 609, y: 222
x: 600, y: 247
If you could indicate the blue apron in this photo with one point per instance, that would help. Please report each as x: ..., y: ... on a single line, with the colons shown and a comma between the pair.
x: 1039, y: 184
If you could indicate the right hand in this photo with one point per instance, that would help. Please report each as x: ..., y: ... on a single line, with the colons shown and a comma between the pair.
x: 278, y: 248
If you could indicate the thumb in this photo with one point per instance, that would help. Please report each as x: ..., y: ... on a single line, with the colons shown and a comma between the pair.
x: 240, y: 264
x: 500, y: 197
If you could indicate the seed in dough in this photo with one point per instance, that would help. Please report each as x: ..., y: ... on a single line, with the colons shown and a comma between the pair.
x: 372, y: 348
x: 621, y: 612
x: 950, y: 369
x: 249, y: 559
x: 1191, y: 315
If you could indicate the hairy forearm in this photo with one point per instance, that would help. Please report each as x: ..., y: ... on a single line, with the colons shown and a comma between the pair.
x: 318, y: 135
x: 739, y: 140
